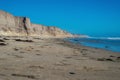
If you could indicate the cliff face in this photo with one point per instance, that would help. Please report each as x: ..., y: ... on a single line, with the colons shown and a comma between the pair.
x: 48, y: 31
x: 21, y: 26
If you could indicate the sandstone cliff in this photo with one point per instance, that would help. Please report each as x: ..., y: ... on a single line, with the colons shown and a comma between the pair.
x: 21, y: 26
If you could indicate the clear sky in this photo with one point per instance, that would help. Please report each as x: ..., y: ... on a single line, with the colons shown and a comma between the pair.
x: 91, y: 17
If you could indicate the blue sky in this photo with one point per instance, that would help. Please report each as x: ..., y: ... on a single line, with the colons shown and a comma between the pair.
x: 91, y: 17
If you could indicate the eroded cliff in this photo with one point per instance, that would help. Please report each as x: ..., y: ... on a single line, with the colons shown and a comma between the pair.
x: 21, y: 26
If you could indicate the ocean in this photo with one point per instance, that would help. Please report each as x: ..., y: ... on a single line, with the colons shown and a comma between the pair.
x: 112, y: 44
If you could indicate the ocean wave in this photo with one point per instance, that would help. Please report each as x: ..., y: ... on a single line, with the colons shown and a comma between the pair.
x: 114, y: 38
x: 110, y: 38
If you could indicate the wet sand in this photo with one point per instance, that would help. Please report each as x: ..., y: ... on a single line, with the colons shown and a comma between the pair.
x: 55, y: 59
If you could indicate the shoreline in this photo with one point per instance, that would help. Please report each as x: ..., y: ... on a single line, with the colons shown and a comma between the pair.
x: 55, y: 59
x: 92, y: 45
x: 72, y: 43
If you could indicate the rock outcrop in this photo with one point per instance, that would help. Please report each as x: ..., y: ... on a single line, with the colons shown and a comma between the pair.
x: 21, y: 26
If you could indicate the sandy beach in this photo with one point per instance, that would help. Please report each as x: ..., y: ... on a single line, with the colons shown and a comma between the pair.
x: 55, y: 59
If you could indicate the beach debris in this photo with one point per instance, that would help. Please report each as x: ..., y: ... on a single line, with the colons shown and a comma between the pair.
x: 108, y: 59
x: 3, y: 44
x: 20, y: 40
x: 40, y: 67
x: 112, y: 56
x: 72, y: 73
x: 68, y: 57
x: 37, y: 38
x: 38, y: 54
x: 118, y: 58
x: 2, y: 40
x: 84, y: 49
x: 81, y: 51
x: 6, y: 39
x: 101, y: 59
x: 22, y: 75
x: 105, y: 59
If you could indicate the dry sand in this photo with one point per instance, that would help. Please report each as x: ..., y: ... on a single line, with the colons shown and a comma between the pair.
x: 55, y: 59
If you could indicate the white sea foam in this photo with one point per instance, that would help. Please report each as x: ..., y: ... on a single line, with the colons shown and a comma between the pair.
x: 114, y: 38
x: 110, y: 38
